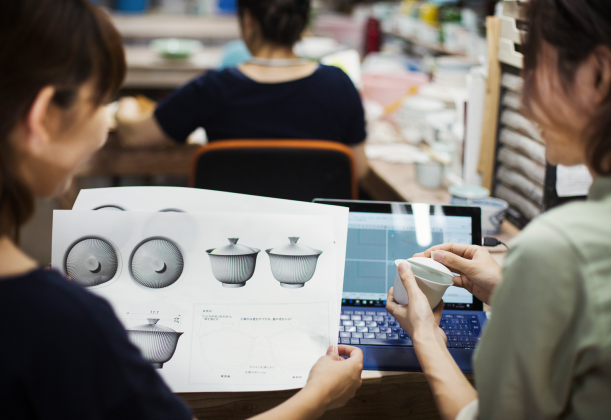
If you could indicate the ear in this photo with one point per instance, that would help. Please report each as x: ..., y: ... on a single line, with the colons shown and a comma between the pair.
x: 36, y: 124
x: 596, y: 73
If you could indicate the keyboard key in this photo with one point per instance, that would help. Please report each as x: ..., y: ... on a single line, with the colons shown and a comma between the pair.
x: 456, y: 344
x: 348, y: 312
x: 443, y: 327
x: 393, y: 324
x: 345, y: 334
x: 359, y: 323
x: 341, y: 329
x: 344, y: 317
x: 371, y: 313
x: 367, y: 318
x: 464, y: 338
x: 463, y: 322
x: 386, y: 330
x: 350, y: 329
x: 464, y: 327
x: 448, y: 316
x: 460, y: 316
x: 374, y: 329
x: 355, y: 341
x: 357, y: 335
x: 448, y: 326
x: 397, y: 330
x: 362, y: 329
x: 403, y: 336
x: 381, y: 335
x: 455, y: 332
x: 473, y: 338
x: 452, y: 338
x: 474, y: 321
x: 382, y: 324
x: 345, y: 340
x: 359, y: 312
x: 381, y: 342
x: 371, y: 323
x: 369, y: 335
x: 454, y: 321
x: 470, y: 333
x: 472, y: 316
x: 348, y: 323
x: 476, y: 330
x: 392, y: 336
x: 355, y: 317
x: 378, y: 318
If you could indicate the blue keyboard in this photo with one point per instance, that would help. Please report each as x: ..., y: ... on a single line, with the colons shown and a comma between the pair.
x: 381, y: 329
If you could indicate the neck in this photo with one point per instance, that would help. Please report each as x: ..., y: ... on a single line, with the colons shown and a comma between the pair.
x: 270, y: 52
x: 13, y: 261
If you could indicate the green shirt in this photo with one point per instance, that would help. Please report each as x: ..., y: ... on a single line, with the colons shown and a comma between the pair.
x: 546, y: 352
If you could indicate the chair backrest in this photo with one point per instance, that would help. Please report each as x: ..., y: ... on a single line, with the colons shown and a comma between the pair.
x: 290, y: 169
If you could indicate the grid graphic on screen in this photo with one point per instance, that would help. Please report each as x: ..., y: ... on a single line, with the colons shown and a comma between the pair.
x: 366, y: 276
x: 366, y: 244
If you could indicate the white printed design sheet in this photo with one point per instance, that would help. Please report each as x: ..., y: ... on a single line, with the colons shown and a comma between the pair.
x: 194, y: 200
x: 233, y: 326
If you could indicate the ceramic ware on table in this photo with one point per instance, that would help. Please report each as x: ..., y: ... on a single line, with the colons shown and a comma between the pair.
x: 432, y: 277
x: 156, y: 263
x: 293, y: 264
x: 156, y: 342
x: 91, y: 262
x: 429, y: 174
x: 233, y: 264
x: 176, y: 48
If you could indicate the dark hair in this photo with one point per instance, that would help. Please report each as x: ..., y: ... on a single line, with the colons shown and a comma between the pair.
x: 282, y: 21
x: 574, y: 28
x: 59, y: 43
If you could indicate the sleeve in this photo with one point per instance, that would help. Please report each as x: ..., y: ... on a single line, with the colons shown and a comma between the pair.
x: 523, y: 365
x: 186, y: 109
x: 86, y: 368
x: 355, y: 132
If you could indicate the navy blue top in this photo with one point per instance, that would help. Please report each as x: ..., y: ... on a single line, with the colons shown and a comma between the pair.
x: 64, y: 355
x: 229, y: 105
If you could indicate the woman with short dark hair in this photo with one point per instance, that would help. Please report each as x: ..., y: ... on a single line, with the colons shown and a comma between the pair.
x: 275, y: 95
x: 546, y: 351
x: 64, y: 353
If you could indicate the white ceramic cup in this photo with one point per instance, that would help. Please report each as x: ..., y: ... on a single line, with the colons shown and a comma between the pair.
x: 432, y: 278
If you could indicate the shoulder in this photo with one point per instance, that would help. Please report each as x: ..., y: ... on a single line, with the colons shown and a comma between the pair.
x: 334, y: 74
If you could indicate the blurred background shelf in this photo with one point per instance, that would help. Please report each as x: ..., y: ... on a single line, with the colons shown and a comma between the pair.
x: 433, y: 47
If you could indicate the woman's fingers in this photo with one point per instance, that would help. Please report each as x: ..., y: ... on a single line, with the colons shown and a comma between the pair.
x: 452, y: 261
x: 408, y: 280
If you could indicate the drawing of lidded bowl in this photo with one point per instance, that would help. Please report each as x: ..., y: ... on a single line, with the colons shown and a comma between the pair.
x: 156, y: 263
x: 91, y: 261
x: 233, y: 264
x: 293, y: 264
x: 157, y: 343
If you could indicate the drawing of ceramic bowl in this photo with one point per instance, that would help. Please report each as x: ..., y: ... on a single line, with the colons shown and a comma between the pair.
x: 156, y: 263
x: 233, y: 264
x: 109, y: 208
x: 156, y: 342
x: 293, y: 264
x: 91, y: 262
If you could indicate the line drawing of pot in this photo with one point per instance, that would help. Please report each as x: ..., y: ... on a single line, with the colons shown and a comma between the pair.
x: 156, y: 342
x: 156, y: 263
x: 233, y: 264
x: 296, y: 348
x: 293, y: 264
x: 91, y: 261
x: 110, y: 207
x: 172, y: 210
x: 226, y: 348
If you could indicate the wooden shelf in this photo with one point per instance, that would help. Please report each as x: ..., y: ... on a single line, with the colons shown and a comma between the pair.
x: 435, y: 47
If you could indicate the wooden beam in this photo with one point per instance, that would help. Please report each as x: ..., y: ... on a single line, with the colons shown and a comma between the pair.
x: 491, y: 104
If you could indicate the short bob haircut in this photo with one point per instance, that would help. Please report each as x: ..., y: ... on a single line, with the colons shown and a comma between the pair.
x: 574, y: 28
x: 59, y: 43
x: 282, y: 21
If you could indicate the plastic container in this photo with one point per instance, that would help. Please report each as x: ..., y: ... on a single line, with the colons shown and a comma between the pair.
x: 386, y: 88
x: 132, y: 6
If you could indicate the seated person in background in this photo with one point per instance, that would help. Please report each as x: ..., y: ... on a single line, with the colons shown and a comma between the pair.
x: 275, y: 95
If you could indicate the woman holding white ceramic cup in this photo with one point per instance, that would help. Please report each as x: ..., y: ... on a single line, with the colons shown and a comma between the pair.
x: 546, y: 351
